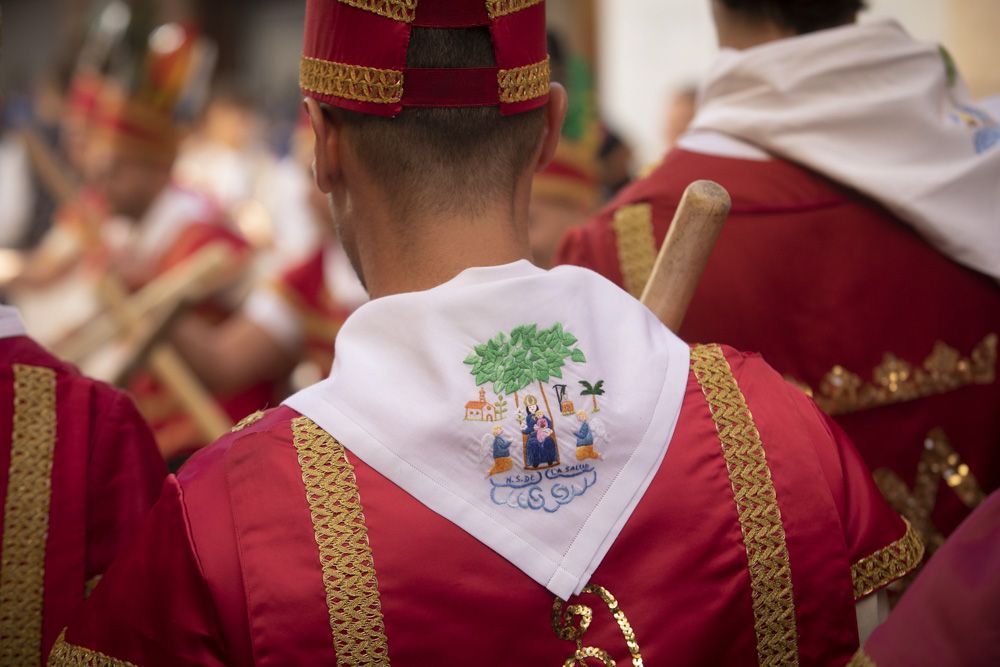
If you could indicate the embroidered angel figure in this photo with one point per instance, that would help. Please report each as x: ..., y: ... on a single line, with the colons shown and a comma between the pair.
x: 502, y: 460
x: 585, y: 439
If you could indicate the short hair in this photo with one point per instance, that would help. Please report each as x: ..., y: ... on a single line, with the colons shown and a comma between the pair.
x: 431, y: 160
x: 802, y: 16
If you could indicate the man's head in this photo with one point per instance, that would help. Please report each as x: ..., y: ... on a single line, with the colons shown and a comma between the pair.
x: 454, y: 140
x: 742, y: 24
x: 131, y: 182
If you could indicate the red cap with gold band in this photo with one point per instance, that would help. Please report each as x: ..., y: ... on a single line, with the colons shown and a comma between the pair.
x: 355, y: 55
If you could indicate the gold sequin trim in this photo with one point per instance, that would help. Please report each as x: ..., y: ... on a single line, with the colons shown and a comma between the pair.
x: 397, y: 10
x: 498, y: 8
x: 351, y: 82
x: 248, y: 421
x: 524, y: 83
x: 90, y: 585
x: 757, y: 507
x: 345, y: 555
x: 568, y: 628
x: 939, y: 462
x: 896, y: 381
x: 887, y: 564
x: 65, y: 654
x: 26, y: 515
x: 633, y: 226
x: 861, y: 659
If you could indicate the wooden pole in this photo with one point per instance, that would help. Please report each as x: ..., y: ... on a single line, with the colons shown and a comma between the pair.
x: 685, y: 252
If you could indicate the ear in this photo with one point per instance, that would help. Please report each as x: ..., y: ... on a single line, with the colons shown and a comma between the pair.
x: 555, y: 114
x: 326, y: 160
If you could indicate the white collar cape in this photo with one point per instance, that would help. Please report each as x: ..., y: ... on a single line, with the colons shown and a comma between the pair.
x: 11, y: 325
x: 871, y: 108
x: 421, y: 380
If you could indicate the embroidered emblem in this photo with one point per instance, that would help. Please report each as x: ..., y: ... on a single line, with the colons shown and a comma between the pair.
x: 550, y: 465
x: 567, y: 628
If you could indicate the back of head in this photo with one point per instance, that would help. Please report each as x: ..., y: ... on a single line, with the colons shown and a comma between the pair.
x: 441, y: 159
x: 798, y: 16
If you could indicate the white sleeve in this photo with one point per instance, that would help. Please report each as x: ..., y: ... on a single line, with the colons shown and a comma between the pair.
x: 871, y: 611
x: 272, y: 313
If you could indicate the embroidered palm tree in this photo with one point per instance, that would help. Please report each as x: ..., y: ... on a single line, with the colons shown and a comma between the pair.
x: 593, y: 390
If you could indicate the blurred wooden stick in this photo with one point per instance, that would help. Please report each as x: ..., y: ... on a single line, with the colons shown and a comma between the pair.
x: 679, y: 266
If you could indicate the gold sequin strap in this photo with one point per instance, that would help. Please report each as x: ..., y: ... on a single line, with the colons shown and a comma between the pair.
x: 633, y: 227
x: 26, y: 515
x: 345, y: 555
x: 65, y: 654
x: 574, y: 626
x: 757, y: 507
x: 351, y: 82
x: 861, y: 659
x: 397, y: 10
x: 248, y: 421
x: 887, y: 564
x: 498, y: 8
x: 524, y: 83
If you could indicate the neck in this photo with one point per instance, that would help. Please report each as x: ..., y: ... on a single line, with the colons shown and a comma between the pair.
x: 436, y: 249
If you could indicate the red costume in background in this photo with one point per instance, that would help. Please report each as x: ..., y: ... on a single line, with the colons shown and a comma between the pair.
x: 78, y: 471
x: 892, y: 338
x: 228, y: 570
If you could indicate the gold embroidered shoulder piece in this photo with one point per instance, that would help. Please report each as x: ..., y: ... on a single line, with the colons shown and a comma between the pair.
x: 65, y: 654
x: 757, y: 507
x: 633, y: 227
x: 896, y: 381
x: 248, y: 421
x: 861, y: 659
x: 569, y: 629
x: 887, y: 564
x: 26, y: 515
x: 345, y: 555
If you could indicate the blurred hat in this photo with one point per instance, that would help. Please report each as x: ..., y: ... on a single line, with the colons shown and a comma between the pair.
x: 355, y: 55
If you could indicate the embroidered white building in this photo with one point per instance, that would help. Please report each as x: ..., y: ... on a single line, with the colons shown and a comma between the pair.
x: 481, y: 410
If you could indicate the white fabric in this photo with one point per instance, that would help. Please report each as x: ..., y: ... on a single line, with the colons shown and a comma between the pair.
x: 708, y: 142
x: 270, y: 311
x: 399, y: 394
x: 871, y: 108
x: 11, y: 325
x: 16, y: 192
x: 173, y: 211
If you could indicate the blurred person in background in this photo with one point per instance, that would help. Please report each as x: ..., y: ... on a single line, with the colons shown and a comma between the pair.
x: 862, y: 254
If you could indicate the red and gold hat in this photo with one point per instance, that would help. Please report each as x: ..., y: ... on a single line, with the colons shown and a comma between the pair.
x: 355, y: 55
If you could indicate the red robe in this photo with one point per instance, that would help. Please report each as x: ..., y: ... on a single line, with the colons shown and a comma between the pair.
x: 815, y: 278
x: 78, y: 471
x: 277, y: 547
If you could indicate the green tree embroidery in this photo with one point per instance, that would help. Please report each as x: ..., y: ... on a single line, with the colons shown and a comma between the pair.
x: 501, y: 406
x: 593, y: 390
x: 527, y: 355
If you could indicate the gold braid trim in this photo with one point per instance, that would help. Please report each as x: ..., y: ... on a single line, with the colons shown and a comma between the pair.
x: 345, y: 555
x: 757, y: 507
x: 248, y: 421
x: 567, y: 630
x: 397, y: 10
x: 351, y: 82
x: 498, y: 8
x: 887, y: 564
x: 896, y: 381
x: 524, y: 83
x: 861, y: 659
x: 26, y: 515
x: 65, y: 654
x: 633, y: 226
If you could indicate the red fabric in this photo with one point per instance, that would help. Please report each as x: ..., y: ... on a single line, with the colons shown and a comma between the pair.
x: 813, y: 277
x: 949, y: 615
x: 679, y: 568
x: 105, y: 475
x: 450, y: 14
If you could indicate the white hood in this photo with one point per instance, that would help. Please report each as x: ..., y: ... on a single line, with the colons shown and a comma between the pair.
x: 406, y: 396
x: 871, y: 108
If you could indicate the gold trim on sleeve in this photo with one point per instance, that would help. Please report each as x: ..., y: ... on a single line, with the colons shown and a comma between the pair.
x: 896, y: 381
x: 633, y: 227
x: 26, y: 515
x: 887, y: 564
x: 248, y: 421
x: 567, y: 629
x: 498, y: 8
x: 351, y: 82
x: 345, y: 555
x: 861, y: 659
x: 65, y: 654
x: 524, y: 83
x: 397, y: 10
x: 757, y: 507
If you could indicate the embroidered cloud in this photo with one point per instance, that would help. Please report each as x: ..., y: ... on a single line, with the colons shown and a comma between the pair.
x: 549, y: 491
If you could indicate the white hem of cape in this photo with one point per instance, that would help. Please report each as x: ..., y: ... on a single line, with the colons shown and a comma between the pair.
x: 563, y: 576
x: 11, y: 325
